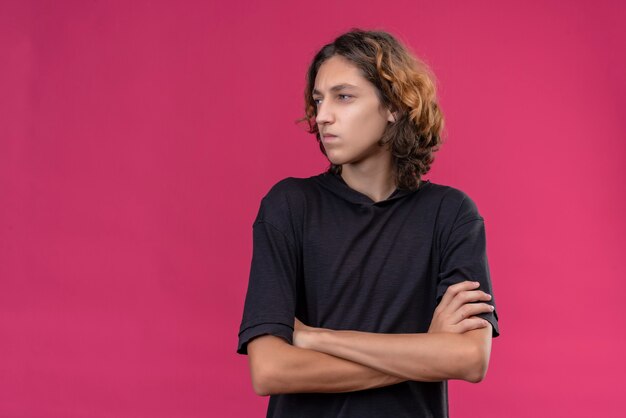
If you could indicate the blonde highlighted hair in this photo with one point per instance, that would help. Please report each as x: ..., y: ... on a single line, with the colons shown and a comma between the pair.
x: 404, y: 84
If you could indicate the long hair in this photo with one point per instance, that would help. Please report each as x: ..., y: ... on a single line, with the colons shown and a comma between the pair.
x: 404, y: 84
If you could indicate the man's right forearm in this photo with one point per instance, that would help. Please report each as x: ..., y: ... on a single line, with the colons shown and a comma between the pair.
x: 290, y: 369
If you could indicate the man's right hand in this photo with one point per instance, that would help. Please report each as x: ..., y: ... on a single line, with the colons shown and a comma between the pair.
x: 455, y: 313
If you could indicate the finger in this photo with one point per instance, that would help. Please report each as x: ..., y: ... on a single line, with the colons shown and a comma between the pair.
x: 453, y: 290
x: 467, y: 296
x: 471, y: 323
x: 471, y: 309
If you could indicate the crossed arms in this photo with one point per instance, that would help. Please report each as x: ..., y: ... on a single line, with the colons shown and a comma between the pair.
x: 457, y: 346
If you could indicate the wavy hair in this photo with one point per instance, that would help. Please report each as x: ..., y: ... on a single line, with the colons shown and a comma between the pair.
x: 404, y: 84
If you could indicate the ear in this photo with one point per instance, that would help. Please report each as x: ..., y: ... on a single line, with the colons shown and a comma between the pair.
x: 391, y: 116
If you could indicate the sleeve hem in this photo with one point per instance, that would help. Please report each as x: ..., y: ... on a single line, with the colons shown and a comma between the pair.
x: 492, y: 318
x: 266, y: 328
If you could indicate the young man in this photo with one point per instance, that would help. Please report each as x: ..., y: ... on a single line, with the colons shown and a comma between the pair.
x: 369, y: 287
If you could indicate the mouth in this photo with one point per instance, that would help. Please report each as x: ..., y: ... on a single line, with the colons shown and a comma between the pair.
x: 328, y: 137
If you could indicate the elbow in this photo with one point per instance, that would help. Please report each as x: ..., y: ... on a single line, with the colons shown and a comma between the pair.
x: 476, y: 375
x: 260, y: 389
x: 261, y: 380
x: 477, y: 364
x: 266, y: 364
x: 476, y: 348
x: 266, y: 376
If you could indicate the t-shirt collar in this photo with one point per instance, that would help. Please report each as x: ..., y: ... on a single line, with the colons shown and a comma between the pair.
x: 336, y: 184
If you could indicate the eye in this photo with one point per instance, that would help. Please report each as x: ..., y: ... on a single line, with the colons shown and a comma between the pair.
x: 317, y: 101
x: 344, y: 95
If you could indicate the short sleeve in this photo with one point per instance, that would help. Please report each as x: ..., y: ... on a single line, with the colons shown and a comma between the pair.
x: 464, y: 257
x: 269, y: 306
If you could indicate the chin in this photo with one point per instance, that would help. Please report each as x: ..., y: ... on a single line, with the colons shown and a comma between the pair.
x: 334, y: 158
x: 338, y: 161
x: 345, y: 159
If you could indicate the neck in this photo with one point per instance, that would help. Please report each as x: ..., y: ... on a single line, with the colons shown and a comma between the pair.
x: 376, y: 181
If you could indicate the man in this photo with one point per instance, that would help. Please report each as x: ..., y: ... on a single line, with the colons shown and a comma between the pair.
x: 369, y: 287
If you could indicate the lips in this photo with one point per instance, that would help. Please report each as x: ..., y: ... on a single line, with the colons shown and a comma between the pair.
x: 328, y: 137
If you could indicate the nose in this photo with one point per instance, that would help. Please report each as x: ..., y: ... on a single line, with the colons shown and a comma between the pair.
x: 324, y: 114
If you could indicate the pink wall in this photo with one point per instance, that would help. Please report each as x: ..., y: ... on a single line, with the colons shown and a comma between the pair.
x: 137, y: 138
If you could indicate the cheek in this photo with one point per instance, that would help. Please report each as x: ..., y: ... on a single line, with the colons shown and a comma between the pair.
x: 367, y: 124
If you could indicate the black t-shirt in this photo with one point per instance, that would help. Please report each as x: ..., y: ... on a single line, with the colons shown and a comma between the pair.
x: 334, y: 258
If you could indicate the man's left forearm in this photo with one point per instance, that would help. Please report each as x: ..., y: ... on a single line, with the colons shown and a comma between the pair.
x: 426, y: 357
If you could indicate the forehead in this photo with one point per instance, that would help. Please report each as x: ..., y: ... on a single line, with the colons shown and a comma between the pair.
x: 338, y: 71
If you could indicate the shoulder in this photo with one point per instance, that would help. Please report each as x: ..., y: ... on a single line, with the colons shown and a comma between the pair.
x: 286, y: 187
x: 283, y: 204
x: 454, y: 205
x: 285, y: 194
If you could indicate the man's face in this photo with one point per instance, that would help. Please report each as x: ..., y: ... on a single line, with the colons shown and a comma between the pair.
x: 349, y: 109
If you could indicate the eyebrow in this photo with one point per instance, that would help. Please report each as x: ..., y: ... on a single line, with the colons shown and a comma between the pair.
x: 338, y: 87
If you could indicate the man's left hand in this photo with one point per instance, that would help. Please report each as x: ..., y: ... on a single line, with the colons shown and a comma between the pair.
x: 304, y: 335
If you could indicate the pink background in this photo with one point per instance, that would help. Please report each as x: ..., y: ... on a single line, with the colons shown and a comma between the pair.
x: 137, y: 139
